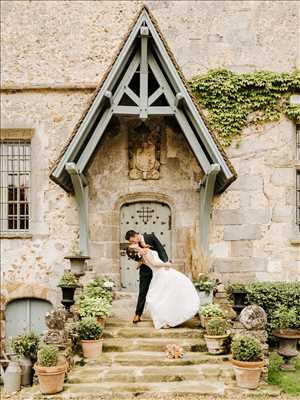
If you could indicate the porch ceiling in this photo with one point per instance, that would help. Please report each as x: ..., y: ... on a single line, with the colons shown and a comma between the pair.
x: 143, y: 80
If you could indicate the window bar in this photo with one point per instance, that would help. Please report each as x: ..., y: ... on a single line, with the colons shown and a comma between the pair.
x: 298, y: 142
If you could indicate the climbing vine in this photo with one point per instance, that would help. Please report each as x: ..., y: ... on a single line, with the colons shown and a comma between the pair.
x: 233, y: 101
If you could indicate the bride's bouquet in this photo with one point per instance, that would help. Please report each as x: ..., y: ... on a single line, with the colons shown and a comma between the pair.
x: 174, y: 351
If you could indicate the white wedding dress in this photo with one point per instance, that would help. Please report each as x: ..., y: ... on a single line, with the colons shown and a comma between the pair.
x: 172, y: 298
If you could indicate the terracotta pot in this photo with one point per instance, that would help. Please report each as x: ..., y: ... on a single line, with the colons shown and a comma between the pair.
x: 217, y: 344
x: 51, y: 379
x: 92, y: 348
x: 247, y: 373
x: 204, y: 321
x: 101, y: 322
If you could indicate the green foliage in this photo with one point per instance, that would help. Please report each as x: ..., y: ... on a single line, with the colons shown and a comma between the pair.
x: 26, y: 345
x: 236, y: 287
x: 94, y: 307
x: 246, y: 348
x: 89, y: 329
x: 204, y: 283
x: 68, y: 279
x: 289, y: 382
x: 98, y: 288
x: 234, y: 101
x: 216, y: 327
x: 47, y: 355
x: 211, y: 310
x: 285, y: 317
x: 271, y: 296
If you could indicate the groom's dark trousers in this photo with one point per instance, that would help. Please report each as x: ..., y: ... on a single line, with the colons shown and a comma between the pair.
x: 146, y: 272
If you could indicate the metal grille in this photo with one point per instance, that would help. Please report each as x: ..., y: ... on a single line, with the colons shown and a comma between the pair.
x: 298, y: 199
x: 15, y: 173
x: 298, y: 142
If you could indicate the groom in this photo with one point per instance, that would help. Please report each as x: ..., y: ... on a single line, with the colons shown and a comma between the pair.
x: 145, y: 272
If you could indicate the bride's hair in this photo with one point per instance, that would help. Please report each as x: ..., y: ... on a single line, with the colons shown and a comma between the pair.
x: 133, y: 253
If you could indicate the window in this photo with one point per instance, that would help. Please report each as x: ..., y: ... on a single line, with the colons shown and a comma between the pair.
x: 298, y: 176
x: 15, y: 170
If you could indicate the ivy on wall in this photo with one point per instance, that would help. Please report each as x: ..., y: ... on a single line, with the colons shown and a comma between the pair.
x: 233, y: 101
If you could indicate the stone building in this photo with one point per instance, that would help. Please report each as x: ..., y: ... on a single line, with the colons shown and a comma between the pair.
x: 84, y: 161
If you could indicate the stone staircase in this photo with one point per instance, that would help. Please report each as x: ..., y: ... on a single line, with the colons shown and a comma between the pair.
x: 134, y: 363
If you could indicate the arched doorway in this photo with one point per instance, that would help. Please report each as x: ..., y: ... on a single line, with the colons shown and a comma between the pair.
x: 26, y: 314
x: 142, y: 216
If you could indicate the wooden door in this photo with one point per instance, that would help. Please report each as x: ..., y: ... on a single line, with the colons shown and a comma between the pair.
x: 142, y: 217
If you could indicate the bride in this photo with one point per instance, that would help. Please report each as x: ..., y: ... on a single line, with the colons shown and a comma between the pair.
x: 172, y: 298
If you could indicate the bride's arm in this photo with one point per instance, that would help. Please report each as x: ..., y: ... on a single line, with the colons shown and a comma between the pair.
x: 150, y: 260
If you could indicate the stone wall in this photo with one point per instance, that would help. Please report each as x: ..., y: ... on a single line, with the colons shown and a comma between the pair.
x: 52, y: 50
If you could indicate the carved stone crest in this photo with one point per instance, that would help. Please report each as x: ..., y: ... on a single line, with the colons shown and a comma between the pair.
x: 55, y: 321
x: 144, y: 140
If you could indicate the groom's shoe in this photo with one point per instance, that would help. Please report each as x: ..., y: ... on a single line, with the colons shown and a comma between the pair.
x: 136, y: 319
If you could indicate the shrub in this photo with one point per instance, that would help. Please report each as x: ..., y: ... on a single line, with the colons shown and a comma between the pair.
x: 285, y: 318
x: 271, y: 296
x: 246, y: 348
x: 211, y: 310
x: 98, y: 288
x: 68, y: 279
x: 26, y: 345
x: 203, y: 283
x: 216, y: 327
x: 89, y: 329
x: 47, y: 355
x: 94, y: 307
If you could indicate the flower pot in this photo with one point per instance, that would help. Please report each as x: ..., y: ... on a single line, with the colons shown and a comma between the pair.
x: 26, y: 375
x: 77, y: 264
x: 91, y: 348
x: 51, y: 379
x: 287, y: 346
x: 204, y: 297
x: 68, y: 296
x: 217, y: 344
x: 247, y: 373
x: 101, y: 322
x: 204, y: 320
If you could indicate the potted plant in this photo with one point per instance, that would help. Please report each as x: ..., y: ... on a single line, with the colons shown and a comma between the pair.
x: 26, y: 346
x: 216, y: 336
x: 68, y: 284
x: 97, y: 307
x: 89, y: 333
x: 50, y: 369
x: 238, y: 293
x: 209, y: 311
x: 287, y: 320
x: 247, y: 360
x: 99, y: 288
x: 204, y: 286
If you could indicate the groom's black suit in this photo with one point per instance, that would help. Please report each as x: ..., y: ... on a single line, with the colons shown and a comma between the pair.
x: 146, y: 272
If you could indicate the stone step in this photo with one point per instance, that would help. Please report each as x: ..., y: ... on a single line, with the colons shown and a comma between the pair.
x: 186, y: 387
x: 177, y: 373
x: 193, y: 323
x: 152, y: 344
x: 155, y: 358
x: 148, y: 332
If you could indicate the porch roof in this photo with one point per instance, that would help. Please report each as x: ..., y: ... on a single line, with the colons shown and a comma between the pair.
x: 143, y: 51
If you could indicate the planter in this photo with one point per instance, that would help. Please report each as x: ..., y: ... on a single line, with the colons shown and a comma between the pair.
x: 287, y: 347
x: 91, y: 348
x: 101, y: 322
x: 204, y: 320
x: 247, y: 373
x: 27, y: 372
x: 204, y: 297
x: 51, y: 379
x: 68, y: 296
x: 77, y: 264
x: 239, y: 298
x: 217, y: 344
